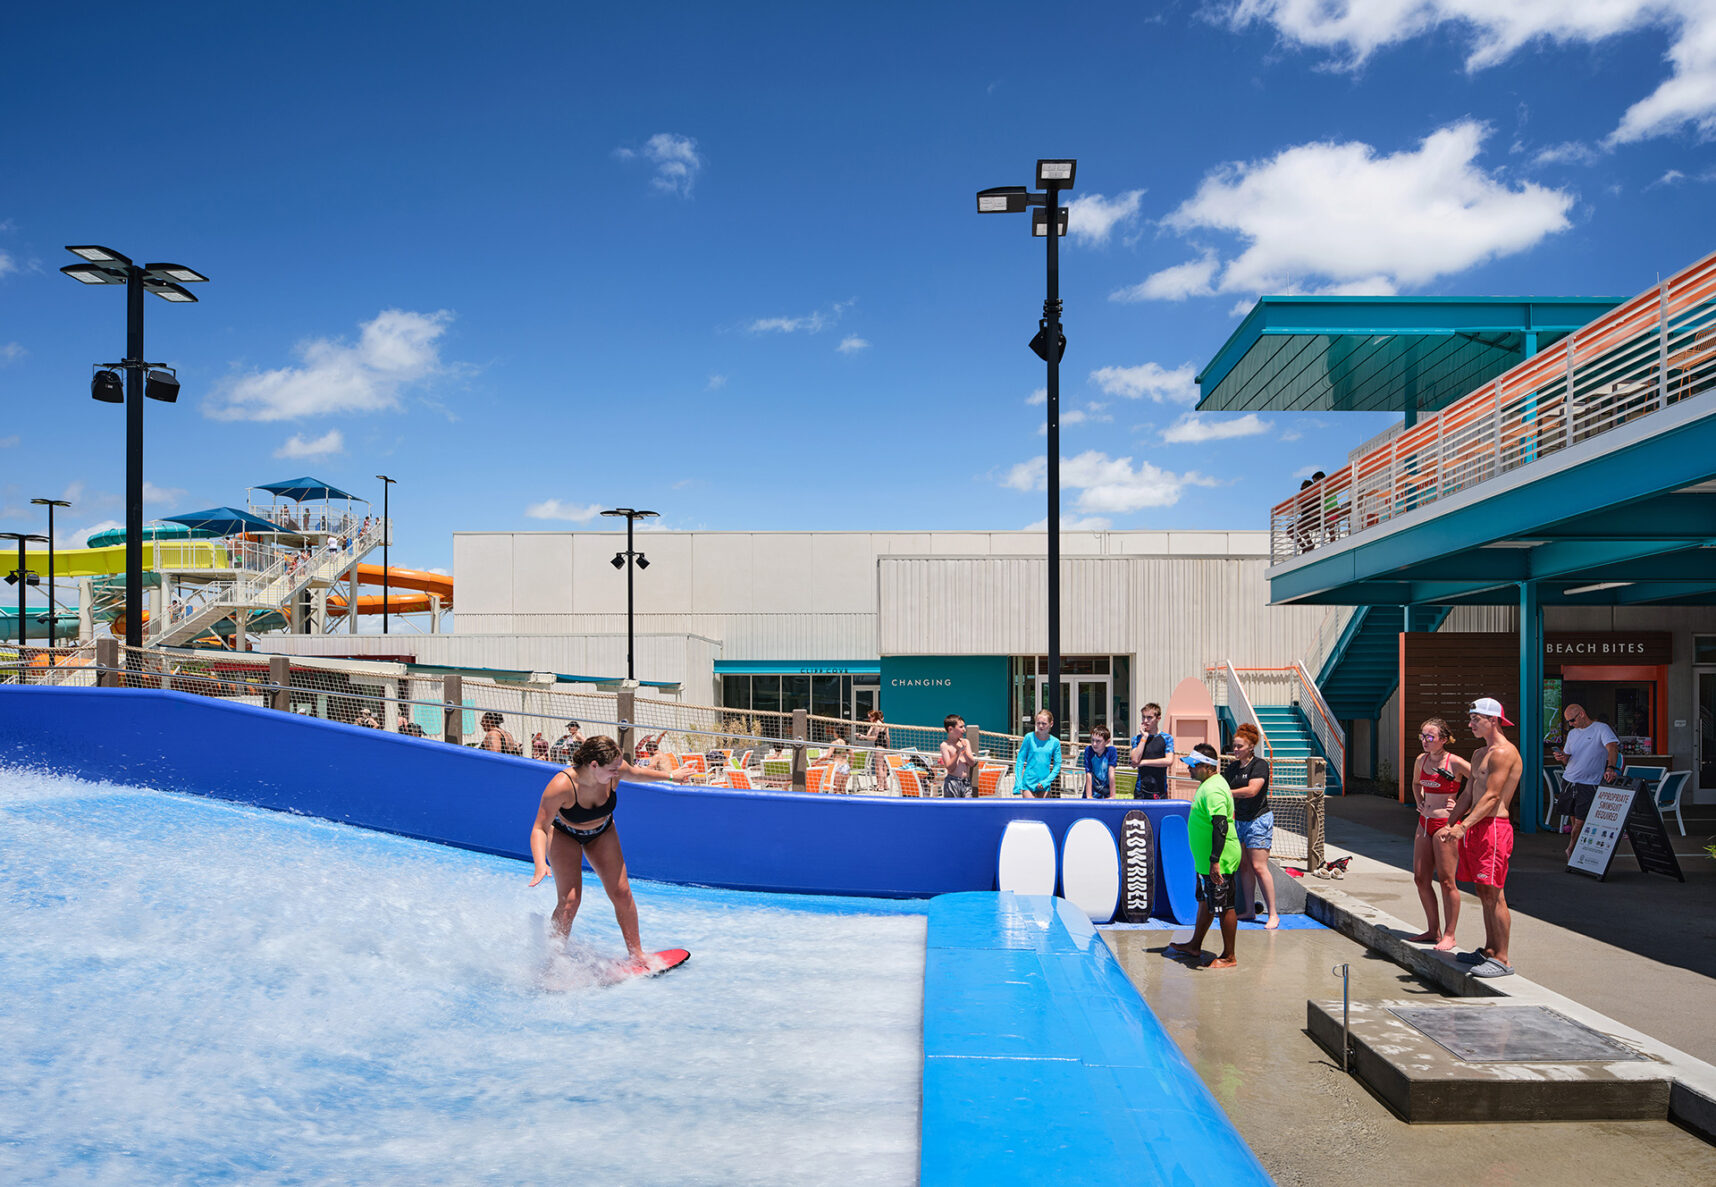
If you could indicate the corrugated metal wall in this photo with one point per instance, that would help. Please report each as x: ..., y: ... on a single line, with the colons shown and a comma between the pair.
x: 1175, y: 614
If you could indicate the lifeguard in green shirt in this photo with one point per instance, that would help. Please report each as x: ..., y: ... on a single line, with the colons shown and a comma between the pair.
x: 1215, y: 857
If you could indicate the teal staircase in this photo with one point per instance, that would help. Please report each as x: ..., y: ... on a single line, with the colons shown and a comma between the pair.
x: 1363, y: 668
x: 1291, y: 739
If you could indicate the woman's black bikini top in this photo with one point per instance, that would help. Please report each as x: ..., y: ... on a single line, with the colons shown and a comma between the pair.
x: 578, y: 814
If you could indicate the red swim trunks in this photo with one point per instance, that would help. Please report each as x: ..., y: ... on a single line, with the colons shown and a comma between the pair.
x: 1485, y: 850
x: 1433, y: 826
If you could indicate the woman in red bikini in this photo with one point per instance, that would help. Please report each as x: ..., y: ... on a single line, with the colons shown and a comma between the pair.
x: 1437, y: 778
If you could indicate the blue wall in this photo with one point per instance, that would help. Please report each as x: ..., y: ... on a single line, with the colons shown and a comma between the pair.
x: 926, y: 688
x: 810, y: 844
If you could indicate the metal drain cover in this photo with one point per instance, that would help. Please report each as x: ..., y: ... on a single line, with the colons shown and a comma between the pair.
x: 1512, y: 1034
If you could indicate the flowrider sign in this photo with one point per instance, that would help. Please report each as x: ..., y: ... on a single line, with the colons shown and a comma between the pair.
x: 1624, y: 808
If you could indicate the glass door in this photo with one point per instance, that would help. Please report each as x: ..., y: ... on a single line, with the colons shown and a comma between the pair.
x: 1704, y: 741
x: 1085, y: 701
x: 864, y: 699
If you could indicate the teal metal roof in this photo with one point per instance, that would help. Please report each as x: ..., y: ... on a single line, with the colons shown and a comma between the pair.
x: 1381, y: 354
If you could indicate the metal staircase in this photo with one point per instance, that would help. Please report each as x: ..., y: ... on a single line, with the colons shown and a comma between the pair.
x: 1291, y: 739
x: 1363, y: 667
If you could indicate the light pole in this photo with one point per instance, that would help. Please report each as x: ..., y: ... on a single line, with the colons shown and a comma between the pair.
x: 1049, y: 344
x: 22, y: 576
x: 386, y: 538
x: 53, y: 608
x: 625, y: 560
x: 103, y: 265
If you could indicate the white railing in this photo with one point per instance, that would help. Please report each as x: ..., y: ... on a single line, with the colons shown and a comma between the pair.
x: 1240, y: 705
x: 286, y: 573
x: 1639, y: 358
x: 315, y: 521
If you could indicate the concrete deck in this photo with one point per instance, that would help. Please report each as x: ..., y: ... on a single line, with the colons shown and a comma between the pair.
x: 1244, y: 1032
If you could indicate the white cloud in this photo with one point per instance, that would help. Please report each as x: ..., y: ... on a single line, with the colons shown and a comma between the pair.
x: 1340, y: 215
x: 11, y: 352
x: 555, y: 509
x: 396, y: 349
x: 810, y: 323
x: 1107, y: 485
x: 1178, y: 386
x: 161, y: 494
x: 1090, y: 414
x: 716, y: 383
x: 80, y: 538
x: 1568, y: 152
x: 297, y: 446
x: 8, y: 442
x: 1078, y: 523
x: 676, y: 159
x: 1190, y: 279
x: 7, y: 264
x: 1194, y: 427
x: 1304, y: 471
x: 1040, y: 396
x: 1092, y: 217
x: 852, y: 344
x: 1353, y: 30
x: 1671, y: 177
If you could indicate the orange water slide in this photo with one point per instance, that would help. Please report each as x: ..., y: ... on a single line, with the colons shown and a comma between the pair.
x: 419, y: 584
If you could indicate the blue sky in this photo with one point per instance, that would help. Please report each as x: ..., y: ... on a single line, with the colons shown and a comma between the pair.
x: 724, y: 261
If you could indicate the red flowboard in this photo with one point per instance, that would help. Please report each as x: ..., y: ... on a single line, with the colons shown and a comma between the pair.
x: 651, y: 966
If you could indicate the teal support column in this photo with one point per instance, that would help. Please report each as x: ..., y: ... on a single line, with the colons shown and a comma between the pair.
x: 1530, y: 708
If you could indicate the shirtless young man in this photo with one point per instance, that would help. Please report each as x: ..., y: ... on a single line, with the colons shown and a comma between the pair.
x: 957, y: 759
x: 1484, y: 832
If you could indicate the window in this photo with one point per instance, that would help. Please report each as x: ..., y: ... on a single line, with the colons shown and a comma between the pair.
x: 1704, y: 649
x: 736, y: 692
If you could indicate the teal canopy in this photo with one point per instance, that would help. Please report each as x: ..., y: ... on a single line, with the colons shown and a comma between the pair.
x: 224, y: 521
x: 301, y: 490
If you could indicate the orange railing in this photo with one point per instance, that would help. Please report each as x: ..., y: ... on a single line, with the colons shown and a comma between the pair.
x: 1639, y: 358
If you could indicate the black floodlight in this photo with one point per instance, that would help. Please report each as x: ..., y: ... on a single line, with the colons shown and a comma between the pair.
x: 162, y: 386
x: 1058, y: 173
x: 176, y: 272
x: 95, y: 273
x: 643, y: 561
x: 1040, y: 342
x: 619, y: 561
x: 1040, y: 223
x: 1003, y: 199
x: 99, y: 255
x: 31, y: 578
x: 107, y: 387
x: 167, y: 290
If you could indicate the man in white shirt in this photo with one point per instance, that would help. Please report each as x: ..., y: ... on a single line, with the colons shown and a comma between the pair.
x: 1593, y: 755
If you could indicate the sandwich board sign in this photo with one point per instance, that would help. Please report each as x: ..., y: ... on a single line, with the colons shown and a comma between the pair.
x: 1625, y: 808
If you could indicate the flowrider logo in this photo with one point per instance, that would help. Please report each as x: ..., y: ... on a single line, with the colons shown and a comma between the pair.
x: 1135, y: 866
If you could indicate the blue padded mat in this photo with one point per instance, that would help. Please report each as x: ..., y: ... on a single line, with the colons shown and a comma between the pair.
x: 1043, y: 1065
x: 1174, y: 858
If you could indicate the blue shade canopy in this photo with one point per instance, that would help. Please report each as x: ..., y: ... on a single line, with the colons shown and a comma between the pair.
x: 1413, y: 355
x: 301, y: 490
x: 224, y: 521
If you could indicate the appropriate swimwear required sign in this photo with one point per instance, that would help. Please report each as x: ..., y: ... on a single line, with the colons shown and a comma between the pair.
x: 1628, y: 808
x: 1602, y: 831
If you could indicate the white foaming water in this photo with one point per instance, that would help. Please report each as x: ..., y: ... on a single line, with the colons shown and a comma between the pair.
x: 193, y: 991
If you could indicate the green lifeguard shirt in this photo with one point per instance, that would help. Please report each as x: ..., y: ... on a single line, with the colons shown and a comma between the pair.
x: 1214, y: 799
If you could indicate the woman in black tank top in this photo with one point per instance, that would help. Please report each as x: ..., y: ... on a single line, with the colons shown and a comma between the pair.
x: 575, y: 820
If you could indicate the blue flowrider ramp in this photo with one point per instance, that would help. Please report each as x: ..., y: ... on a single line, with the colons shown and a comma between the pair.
x: 1042, y: 1065
x: 1174, y: 856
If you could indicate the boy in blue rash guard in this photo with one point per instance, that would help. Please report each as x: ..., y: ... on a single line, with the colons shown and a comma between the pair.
x: 1039, y: 761
x: 1215, y: 857
x: 1098, y: 761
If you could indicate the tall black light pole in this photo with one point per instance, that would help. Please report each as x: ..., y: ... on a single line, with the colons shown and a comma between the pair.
x: 53, y: 608
x: 386, y: 538
x: 1055, y: 177
x: 105, y: 266
x: 22, y: 576
x: 625, y: 560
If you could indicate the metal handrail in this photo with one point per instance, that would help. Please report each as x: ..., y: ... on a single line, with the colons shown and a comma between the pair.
x: 1324, y: 725
x: 1642, y: 356
x: 1240, y: 704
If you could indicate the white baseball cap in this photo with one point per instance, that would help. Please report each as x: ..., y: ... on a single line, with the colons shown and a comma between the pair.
x: 1489, y: 707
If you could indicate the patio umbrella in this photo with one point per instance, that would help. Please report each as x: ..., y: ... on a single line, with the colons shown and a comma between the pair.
x: 225, y: 521
x: 301, y: 489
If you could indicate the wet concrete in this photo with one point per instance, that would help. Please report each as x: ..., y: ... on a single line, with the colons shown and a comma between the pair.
x: 1638, y: 947
x: 1244, y: 1031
